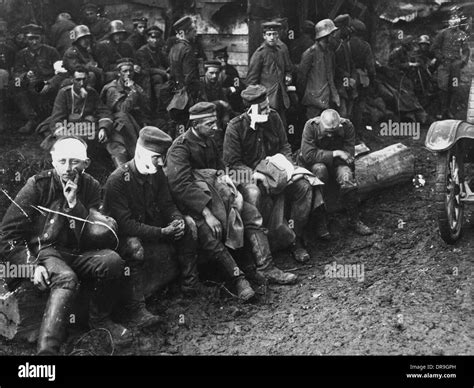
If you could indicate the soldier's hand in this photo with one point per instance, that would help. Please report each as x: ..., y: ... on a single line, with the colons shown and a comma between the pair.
x: 259, y: 177
x: 46, y: 89
x: 344, y: 156
x: 137, y: 69
x: 214, y: 224
x: 41, y: 278
x: 70, y: 190
x: 170, y: 231
x: 102, y: 135
x: 180, y: 227
x: 192, y: 226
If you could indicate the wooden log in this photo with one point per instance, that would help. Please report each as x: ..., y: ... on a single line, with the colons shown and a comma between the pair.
x: 378, y: 170
x: 21, y: 311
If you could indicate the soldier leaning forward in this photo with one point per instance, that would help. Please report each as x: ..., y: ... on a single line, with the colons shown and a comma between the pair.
x: 327, y: 149
x: 45, y: 228
x: 249, y: 139
x: 138, y: 197
x: 127, y: 101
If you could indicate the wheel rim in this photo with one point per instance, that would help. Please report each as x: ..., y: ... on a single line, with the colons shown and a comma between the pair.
x: 453, y: 194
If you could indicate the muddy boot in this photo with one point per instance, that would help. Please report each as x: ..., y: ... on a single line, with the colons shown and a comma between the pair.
x: 100, y: 310
x: 189, y: 274
x: 264, y: 260
x: 356, y: 224
x: 136, y: 313
x: 233, y: 272
x: 53, y: 326
x: 321, y: 224
x: 299, y: 252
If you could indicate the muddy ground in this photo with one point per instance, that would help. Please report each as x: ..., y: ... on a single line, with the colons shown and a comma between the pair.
x: 415, y: 297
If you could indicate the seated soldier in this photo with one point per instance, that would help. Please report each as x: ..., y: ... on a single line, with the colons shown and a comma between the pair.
x: 34, y: 80
x: 43, y: 228
x: 327, y: 149
x: 127, y: 101
x: 112, y: 49
x: 195, y: 150
x: 78, y: 111
x: 81, y: 54
x: 138, y: 37
x: 137, y: 196
x: 252, y: 137
x: 153, y: 63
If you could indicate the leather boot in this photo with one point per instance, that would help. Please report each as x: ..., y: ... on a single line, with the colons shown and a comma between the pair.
x: 53, y: 326
x: 264, y: 260
x: 299, y: 252
x: 100, y: 310
x: 321, y: 224
x: 356, y: 224
x: 233, y: 272
x: 136, y: 313
x: 189, y: 274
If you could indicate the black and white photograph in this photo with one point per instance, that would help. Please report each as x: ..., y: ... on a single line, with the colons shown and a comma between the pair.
x: 237, y: 178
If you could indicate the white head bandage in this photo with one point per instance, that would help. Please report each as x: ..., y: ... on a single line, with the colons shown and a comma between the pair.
x: 69, y: 148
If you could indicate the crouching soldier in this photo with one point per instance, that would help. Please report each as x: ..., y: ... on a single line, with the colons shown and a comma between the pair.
x: 43, y: 228
x: 327, y: 149
x: 127, y: 101
x: 196, y: 150
x: 252, y: 137
x: 138, y: 197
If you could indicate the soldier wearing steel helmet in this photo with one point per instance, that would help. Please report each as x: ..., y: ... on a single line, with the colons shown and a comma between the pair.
x: 98, y: 25
x: 327, y: 150
x: 316, y: 72
x: 81, y: 53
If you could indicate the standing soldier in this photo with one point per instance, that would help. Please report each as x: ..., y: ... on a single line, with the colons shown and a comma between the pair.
x: 127, y: 101
x: 138, y: 37
x: 249, y: 139
x: 154, y: 63
x: 230, y: 79
x: 111, y: 49
x: 34, y: 77
x: 452, y: 52
x: 184, y: 70
x: 270, y: 66
x: 56, y: 238
x: 196, y: 150
x: 80, y: 54
x: 327, y: 150
x: 137, y: 195
x: 98, y: 26
x: 316, y: 72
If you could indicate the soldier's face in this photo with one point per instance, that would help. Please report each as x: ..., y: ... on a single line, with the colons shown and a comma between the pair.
x: 271, y: 37
x: 147, y: 161
x: 141, y: 28
x: 85, y: 42
x: 212, y: 74
x: 190, y: 35
x: 79, y: 81
x: 33, y: 41
x: 206, y: 127
x: 118, y: 37
x: 90, y: 15
x: 153, y: 40
x: 126, y: 72
x: 67, y: 160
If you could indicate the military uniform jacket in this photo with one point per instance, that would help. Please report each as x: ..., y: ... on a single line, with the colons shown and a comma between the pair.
x: 40, y: 62
x: 26, y: 231
x: 317, y: 147
x: 118, y: 98
x: 268, y: 67
x: 184, y: 67
x: 90, y: 106
x: 362, y: 55
x: 450, y: 44
x: 136, y: 40
x: 316, y: 77
x: 75, y: 56
x: 141, y: 204
x: 187, y: 153
x: 151, y: 59
x: 212, y: 92
x: 244, y: 147
x: 60, y: 35
x: 100, y: 28
x: 108, y: 53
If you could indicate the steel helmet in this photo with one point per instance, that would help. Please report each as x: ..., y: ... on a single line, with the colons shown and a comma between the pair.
x: 99, y: 232
x: 330, y: 119
x: 79, y: 32
x: 116, y: 26
x: 324, y: 28
x: 424, y: 39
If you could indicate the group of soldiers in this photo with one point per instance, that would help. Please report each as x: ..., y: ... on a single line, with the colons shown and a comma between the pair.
x: 207, y: 187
